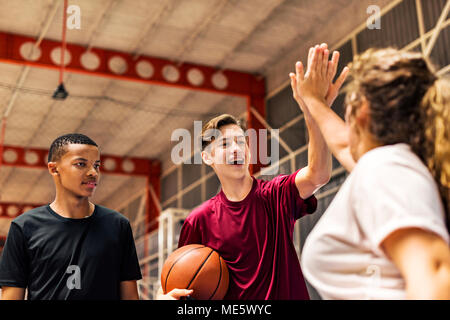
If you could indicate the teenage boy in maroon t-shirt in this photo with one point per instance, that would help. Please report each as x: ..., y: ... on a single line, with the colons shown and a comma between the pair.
x: 250, y: 222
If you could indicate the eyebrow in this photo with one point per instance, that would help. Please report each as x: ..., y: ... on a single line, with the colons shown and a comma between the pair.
x: 83, y: 159
x: 230, y: 138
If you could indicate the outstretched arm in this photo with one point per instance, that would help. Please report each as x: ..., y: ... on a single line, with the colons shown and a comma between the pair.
x: 308, y: 90
x: 318, y: 171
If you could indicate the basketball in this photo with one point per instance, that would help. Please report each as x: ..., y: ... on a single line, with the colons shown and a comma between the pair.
x: 196, y: 267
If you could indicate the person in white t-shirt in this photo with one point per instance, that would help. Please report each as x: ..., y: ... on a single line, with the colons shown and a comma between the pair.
x: 384, y: 236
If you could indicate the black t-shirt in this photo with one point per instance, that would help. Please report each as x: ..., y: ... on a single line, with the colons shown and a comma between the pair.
x: 63, y: 259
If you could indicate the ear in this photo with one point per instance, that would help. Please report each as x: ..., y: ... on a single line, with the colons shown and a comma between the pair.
x: 206, y: 157
x: 363, y: 115
x: 53, y: 169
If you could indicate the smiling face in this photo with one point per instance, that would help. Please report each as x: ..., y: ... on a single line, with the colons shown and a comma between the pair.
x: 229, y: 154
x: 77, y: 171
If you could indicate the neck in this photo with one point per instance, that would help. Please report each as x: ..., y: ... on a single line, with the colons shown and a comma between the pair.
x: 367, y: 143
x: 72, y: 206
x: 237, y: 189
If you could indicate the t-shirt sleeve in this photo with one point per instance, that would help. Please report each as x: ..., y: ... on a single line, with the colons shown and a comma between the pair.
x: 283, y: 190
x: 130, y: 269
x: 397, y: 197
x: 14, y: 262
x: 189, y: 234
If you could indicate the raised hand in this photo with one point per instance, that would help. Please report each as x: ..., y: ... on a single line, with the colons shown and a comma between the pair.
x: 333, y: 89
x: 315, y: 82
x: 319, y: 75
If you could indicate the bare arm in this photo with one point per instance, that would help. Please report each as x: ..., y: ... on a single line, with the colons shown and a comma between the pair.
x: 333, y: 129
x: 128, y: 290
x: 318, y: 171
x: 13, y: 293
x: 310, y: 95
x: 423, y: 259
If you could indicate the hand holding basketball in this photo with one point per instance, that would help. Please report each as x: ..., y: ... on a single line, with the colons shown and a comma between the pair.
x: 198, y: 268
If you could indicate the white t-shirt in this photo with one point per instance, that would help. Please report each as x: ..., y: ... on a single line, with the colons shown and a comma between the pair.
x: 389, y: 189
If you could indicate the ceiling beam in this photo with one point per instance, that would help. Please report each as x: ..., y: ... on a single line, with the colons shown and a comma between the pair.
x: 110, y: 164
x: 14, y: 209
x: 162, y: 72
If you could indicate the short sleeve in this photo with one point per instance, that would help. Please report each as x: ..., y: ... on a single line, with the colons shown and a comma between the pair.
x: 129, y: 269
x: 282, y: 189
x: 189, y: 234
x: 14, y: 262
x: 396, y: 197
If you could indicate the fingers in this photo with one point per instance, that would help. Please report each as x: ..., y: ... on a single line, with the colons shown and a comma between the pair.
x: 178, y: 293
x: 293, y: 84
x: 341, y: 79
x: 324, y: 64
x: 310, y: 57
x: 334, y: 63
x: 326, y: 53
x: 323, y: 45
x: 315, y: 60
x: 299, y: 71
x: 310, y: 53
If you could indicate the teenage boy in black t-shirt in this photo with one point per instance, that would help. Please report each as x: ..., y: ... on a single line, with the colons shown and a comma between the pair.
x: 71, y: 248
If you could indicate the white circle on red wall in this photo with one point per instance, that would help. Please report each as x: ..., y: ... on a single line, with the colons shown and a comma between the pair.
x: 31, y: 157
x: 55, y: 55
x: 29, y: 52
x: 171, y: 73
x: 89, y: 60
x: 12, y: 211
x: 144, y: 69
x: 10, y: 156
x: 109, y: 164
x: 128, y: 166
x: 219, y: 80
x: 195, y: 77
x: 118, y: 65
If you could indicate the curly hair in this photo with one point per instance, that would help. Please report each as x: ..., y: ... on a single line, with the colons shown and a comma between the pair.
x: 408, y: 103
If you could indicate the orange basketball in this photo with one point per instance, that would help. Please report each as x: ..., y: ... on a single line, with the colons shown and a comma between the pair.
x: 196, y: 267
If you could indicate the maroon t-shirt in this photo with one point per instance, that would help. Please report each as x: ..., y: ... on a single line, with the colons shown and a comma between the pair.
x: 254, y: 236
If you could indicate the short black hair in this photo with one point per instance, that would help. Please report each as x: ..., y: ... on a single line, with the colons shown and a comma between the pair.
x: 57, y: 148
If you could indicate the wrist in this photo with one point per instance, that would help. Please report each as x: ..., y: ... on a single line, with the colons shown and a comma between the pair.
x: 314, y: 99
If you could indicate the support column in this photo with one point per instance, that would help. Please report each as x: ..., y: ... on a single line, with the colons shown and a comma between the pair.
x: 257, y: 101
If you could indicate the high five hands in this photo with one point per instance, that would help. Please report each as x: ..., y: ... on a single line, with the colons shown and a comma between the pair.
x: 317, y: 83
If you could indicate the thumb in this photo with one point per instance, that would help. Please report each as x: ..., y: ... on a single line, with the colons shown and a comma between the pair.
x: 293, y: 85
x: 340, y: 80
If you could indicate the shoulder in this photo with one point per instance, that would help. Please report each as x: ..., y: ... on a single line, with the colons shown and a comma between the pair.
x: 396, y: 154
x: 111, y: 215
x: 30, y: 216
x: 279, y: 183
x: 203, y: 211
x: 392, y: 164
